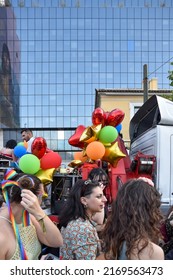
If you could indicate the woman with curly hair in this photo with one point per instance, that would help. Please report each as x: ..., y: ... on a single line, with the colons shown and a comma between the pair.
x: 132, y: 231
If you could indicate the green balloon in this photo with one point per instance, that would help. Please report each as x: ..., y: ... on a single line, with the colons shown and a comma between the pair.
x: 20, y: 144
x: 29, y: 163
x: 108, y: 134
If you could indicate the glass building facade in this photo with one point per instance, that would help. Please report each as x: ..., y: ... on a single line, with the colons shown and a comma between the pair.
x: 9, y: 69
x: 62, y: 50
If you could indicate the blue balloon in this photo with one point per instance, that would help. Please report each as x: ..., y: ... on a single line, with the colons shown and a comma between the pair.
x: 119, y: 127
x: 19, y: 151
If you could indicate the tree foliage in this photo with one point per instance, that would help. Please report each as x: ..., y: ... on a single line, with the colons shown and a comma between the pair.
x: 170, y: 77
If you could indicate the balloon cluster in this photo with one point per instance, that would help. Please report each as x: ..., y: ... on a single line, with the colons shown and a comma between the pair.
x: 99, y: 141
x: 41, y: 162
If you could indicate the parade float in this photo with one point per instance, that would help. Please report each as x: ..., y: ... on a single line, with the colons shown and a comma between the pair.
x: 101, y: 145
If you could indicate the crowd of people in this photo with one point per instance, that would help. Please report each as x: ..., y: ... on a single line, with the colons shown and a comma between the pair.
x: 135, y: 229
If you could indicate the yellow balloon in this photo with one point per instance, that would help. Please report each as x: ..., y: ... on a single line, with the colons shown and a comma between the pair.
x: 91, y: 133
x: 113, y: 154
x: 46, y: 176
x: 75, y: 163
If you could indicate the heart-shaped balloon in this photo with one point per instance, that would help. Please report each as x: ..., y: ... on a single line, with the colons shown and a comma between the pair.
x: 74, y: 139
x: 99, y: 116
x: 38, y: 147
x: 115, y: 117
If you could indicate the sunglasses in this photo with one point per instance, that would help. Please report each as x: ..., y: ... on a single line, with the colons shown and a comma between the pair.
x: 103, y: 182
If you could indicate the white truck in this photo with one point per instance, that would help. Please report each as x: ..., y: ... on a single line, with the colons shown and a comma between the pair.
x: 151, y: 132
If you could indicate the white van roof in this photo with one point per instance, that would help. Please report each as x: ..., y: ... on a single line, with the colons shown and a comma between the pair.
x: 155, y: 111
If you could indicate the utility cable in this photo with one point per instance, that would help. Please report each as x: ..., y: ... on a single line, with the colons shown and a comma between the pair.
x: 160, y: 66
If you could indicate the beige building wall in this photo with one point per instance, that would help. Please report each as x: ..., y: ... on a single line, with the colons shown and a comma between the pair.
x: 109, y: 103
x: 153, y: 84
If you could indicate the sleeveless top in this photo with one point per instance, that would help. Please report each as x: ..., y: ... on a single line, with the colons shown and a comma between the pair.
x: 30, y: 242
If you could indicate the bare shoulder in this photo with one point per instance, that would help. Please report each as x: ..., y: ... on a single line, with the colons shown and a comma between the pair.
x: 151, y: 252
x: 158, y: 253
x: 4, y: 228
x: 3, y: 242
x: 3, y: 238
x: 101, y: 257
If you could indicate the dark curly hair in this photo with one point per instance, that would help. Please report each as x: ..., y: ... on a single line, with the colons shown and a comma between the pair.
x: 135, y: 217
x: 11, y: 144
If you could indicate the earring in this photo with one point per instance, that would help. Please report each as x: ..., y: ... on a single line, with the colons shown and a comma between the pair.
x: 85, y: 206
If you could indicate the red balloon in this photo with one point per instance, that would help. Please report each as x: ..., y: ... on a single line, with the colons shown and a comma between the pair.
x: 48, y: 150
x: 50, y: 160
x: 74, y: 139
x: 107, y: 114
x: 98, y: 116
x: 38, y: 147
x: 115, y: 117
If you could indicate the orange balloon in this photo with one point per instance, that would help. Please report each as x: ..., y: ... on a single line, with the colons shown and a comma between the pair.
x: 25, y: 144
x: 80, y: 156
x: 95, y: 150
x: 77, y: 155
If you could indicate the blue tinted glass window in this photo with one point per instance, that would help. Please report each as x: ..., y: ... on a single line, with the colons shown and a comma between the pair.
x: 131, y: 46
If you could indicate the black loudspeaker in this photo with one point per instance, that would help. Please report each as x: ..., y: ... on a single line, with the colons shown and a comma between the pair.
x: 61, y: 186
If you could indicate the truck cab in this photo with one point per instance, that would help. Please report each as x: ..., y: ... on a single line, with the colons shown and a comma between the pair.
x: 151, y: 132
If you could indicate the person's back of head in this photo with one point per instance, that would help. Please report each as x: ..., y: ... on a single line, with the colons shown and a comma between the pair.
x: 19, y: 181
x: 138, y: 194
x: 136, y: 215
x: 11, y: 144
x: 74, y: 208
